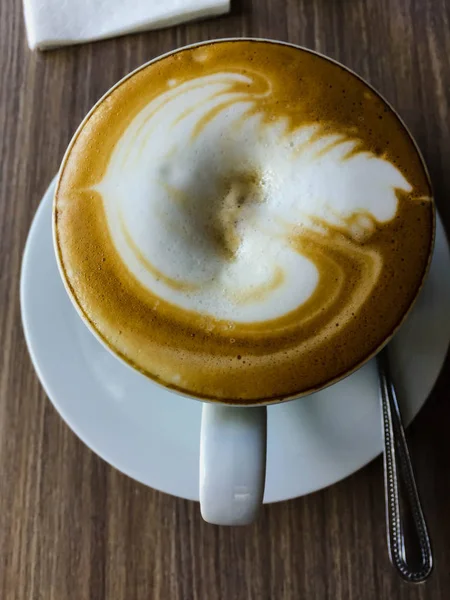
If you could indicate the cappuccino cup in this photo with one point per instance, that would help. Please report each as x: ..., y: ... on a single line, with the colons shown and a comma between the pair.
x: 244, y: 222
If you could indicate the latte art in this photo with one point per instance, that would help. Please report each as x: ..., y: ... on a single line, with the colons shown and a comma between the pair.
x: 234, y: 224
x: 221, y: 197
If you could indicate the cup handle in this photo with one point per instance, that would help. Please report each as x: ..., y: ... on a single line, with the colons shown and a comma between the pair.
x: 232, y: 463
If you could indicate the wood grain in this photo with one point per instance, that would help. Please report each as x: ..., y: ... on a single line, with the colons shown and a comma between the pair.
x: 71, y: 527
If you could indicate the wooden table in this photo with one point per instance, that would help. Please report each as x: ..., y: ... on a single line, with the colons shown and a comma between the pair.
x: 71, y: 527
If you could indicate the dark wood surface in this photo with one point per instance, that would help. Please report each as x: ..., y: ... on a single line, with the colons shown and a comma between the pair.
x: 71, y: 527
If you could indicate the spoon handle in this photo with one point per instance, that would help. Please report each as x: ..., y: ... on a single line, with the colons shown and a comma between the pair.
x: 407, y: 534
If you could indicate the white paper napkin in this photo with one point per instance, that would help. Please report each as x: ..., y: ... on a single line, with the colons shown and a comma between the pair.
x: 52, y: 23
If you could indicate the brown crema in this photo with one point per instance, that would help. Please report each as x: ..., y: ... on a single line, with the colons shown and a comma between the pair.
x: 249, y: 363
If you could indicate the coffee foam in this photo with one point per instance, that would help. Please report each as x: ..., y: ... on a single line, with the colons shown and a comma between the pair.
x: 234, y: 229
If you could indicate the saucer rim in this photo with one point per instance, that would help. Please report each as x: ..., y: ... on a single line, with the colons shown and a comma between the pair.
x: 31, y: 345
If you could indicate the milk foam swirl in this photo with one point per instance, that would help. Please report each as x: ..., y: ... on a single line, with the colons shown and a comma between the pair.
x: 210, y: 201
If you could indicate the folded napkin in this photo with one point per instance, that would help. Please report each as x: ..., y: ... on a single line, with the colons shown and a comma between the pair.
x: 52, y: 23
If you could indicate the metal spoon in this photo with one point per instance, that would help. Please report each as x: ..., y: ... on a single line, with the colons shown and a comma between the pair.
x: 407, y: 534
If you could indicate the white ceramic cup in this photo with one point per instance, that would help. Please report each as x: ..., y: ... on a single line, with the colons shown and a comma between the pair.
x: 233, y: 438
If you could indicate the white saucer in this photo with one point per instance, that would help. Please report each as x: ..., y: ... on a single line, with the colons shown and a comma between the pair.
x: 153, y: 435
